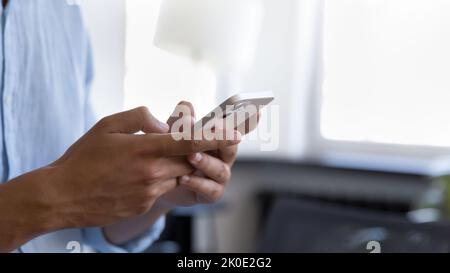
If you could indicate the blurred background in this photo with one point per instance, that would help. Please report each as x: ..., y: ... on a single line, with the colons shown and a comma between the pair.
x: 363, y: 129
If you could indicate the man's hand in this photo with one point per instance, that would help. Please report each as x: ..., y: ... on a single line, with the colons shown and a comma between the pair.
x: 110, y: 174
x: 213, y: 170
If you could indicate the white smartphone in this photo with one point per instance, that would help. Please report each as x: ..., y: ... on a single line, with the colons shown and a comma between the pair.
x: 235, y: 104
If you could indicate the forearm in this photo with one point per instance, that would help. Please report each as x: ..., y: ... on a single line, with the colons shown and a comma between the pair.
x: 132, y: 228
x: 25, y: 210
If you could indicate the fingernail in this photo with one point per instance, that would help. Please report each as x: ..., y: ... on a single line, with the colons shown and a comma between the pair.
x: 196, y: 158
x: 184, y: 179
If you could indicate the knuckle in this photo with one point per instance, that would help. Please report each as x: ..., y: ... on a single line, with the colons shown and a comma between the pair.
x: 143, y: 113
x: 106, y: 121
x: 152, y: 173
x: 187, y: 104
x: 233, y: 152
x: 215, y: 194
x: 224, y: 173
x: 143, y: 110
x: 153, y: 192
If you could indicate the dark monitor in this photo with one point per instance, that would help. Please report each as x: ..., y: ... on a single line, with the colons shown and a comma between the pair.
x: 299, y: 226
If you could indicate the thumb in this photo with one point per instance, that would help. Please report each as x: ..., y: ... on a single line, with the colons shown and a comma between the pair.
x: 183, y: 109
x: 132, y: 121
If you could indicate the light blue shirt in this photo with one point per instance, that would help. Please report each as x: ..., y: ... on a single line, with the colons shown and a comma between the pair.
x: 46, y: 70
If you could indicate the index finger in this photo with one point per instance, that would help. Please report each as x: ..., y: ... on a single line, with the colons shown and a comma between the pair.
x: 176, y: 145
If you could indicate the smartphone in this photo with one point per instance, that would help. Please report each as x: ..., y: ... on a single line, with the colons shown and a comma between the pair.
x: 235, y: 104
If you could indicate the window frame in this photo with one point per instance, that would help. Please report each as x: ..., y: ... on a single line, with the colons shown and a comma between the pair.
x: 420, y: 159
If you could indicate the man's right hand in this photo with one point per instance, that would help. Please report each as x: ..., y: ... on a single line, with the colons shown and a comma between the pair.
x: 110, y: 174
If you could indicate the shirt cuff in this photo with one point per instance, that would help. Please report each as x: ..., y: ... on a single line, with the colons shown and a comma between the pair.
x: 95, y: 238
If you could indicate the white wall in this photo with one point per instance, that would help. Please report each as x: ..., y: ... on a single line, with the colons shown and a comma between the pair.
x: 106, y: 21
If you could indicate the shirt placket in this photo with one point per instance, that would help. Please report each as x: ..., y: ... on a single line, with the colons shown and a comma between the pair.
x: 9, y: 121
x: 3, y: 156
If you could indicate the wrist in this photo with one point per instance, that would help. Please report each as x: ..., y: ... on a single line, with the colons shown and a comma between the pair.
x: 26, y: 209
x: 37, y: 199
x: 46, y: 197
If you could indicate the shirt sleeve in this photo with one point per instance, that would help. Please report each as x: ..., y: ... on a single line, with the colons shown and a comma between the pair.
x: 95, y: 238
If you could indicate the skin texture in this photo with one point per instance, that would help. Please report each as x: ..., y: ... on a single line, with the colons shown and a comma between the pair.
x: 212, y: 172
x: 205, y: 185
x: 109, y: 175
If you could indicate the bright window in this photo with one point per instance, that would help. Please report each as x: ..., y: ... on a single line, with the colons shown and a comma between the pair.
x: 387, y: 71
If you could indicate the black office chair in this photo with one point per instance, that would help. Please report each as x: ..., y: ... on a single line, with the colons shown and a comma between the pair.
x: 300, y: 226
